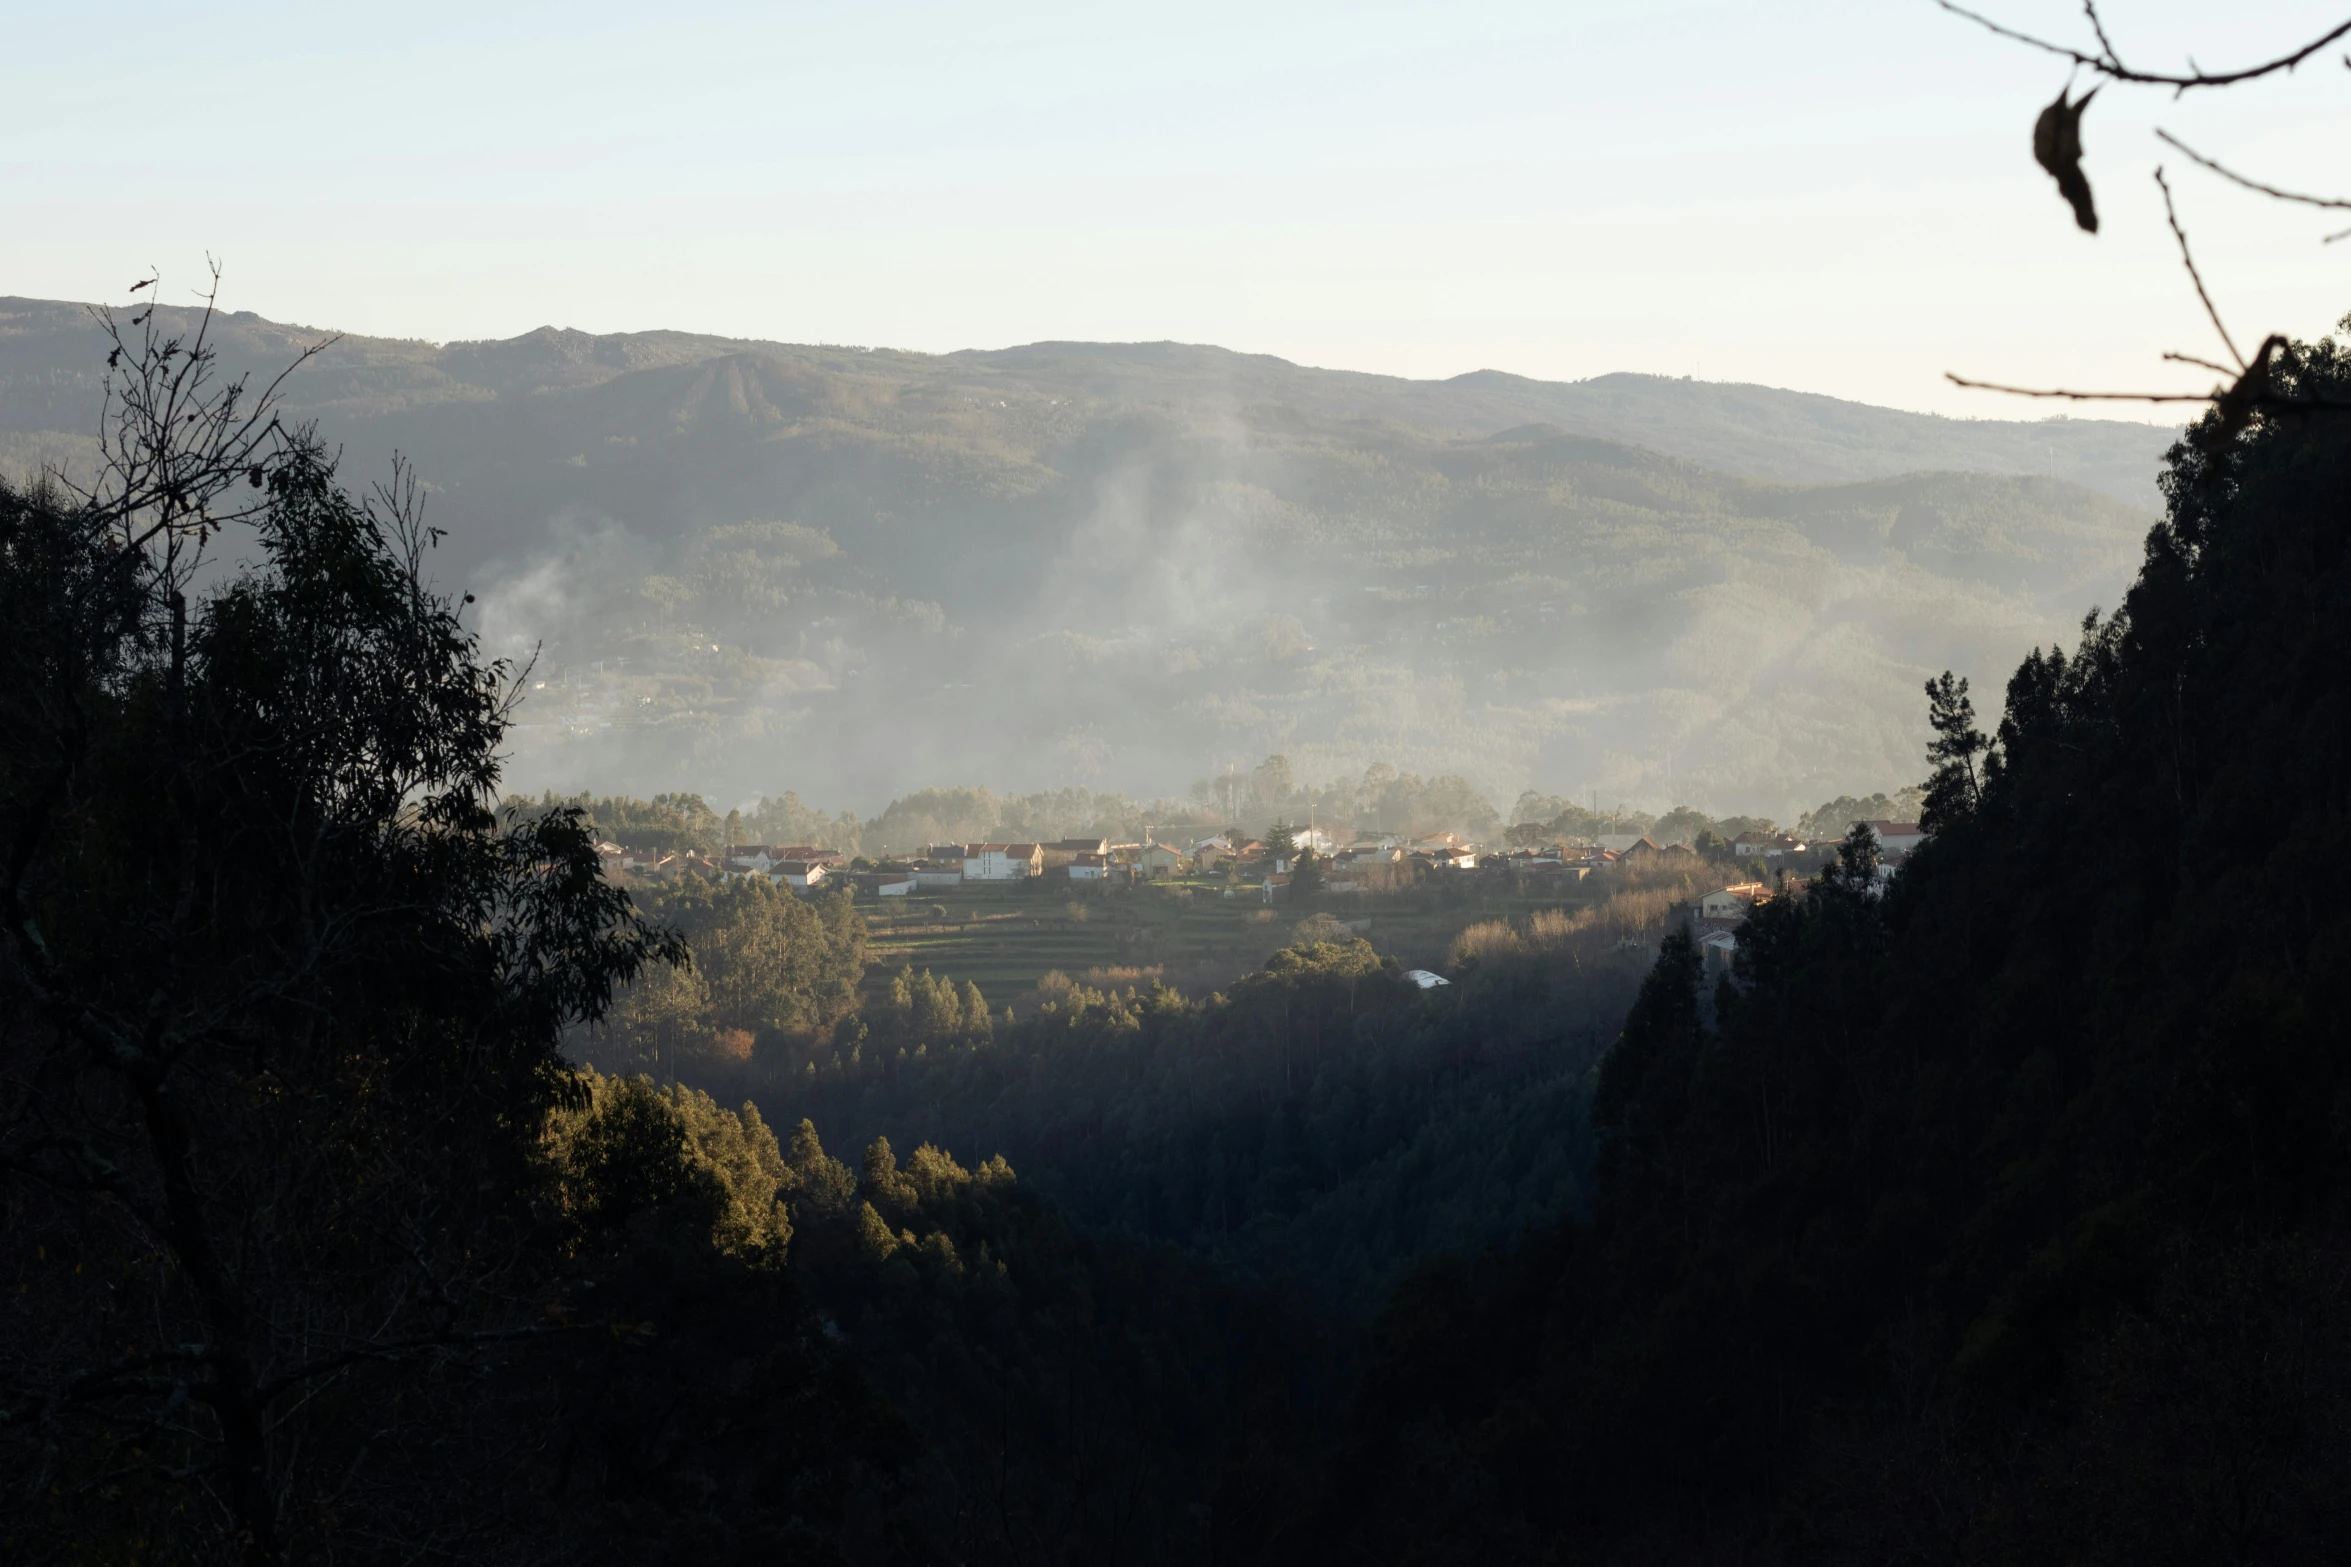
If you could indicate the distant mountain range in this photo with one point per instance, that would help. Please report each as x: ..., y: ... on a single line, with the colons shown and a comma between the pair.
x: 748, y: 566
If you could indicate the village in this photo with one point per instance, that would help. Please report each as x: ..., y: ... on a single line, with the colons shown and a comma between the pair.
x: 1301, y: 865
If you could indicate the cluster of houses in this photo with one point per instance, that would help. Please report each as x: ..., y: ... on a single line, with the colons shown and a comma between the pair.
x: 799, y: 866
x: 1361, y: 864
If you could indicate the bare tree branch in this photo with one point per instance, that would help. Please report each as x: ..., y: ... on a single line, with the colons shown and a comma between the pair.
x: 2231, y: 175
x: 2080, y: 397
x: 2172, y: 217
x: 172, y: 442
x: 2107, y: 62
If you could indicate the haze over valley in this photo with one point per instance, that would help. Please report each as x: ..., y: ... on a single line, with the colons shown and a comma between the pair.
x: 749, y: 567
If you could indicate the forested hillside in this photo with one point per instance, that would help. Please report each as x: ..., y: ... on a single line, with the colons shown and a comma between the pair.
x: 749, y: 568
x: 1996, y: 1216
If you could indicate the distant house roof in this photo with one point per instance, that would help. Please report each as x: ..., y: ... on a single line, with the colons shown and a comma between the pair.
x: 1021, y: 851
x: 1079, y: 845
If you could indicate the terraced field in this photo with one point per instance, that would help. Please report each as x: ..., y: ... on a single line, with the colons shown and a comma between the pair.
x: 1192, y: 934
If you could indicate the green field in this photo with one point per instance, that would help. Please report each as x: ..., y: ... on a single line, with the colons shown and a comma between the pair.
x: 1005, y: 938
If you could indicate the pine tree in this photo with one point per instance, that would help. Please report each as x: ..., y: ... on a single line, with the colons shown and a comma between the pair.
x: 1956, y: 785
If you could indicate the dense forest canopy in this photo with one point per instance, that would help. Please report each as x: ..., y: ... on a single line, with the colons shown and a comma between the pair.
x: 1996, y: 1212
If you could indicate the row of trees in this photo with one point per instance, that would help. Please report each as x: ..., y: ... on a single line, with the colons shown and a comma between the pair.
x: 1539, y: 818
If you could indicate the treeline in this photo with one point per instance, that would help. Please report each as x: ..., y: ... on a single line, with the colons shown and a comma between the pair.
x: 908, y: 825
x: 1382, y: 800
x: 1326, y: 1121
x: 1543, y: 818
x: 1997, y: 1215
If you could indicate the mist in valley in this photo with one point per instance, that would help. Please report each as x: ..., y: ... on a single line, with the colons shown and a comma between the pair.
x: 744, y: 569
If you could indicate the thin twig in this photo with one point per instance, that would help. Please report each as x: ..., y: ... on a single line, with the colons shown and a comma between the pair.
x: 2108, y: 63
x: 2231, y: 175
x: 2202, y: 364
x: 2079, y: 397
x: 2186, y: 260
x: 2261, y: 404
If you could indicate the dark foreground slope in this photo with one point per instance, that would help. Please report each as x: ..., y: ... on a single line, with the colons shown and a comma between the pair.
x: 1996, y: 1218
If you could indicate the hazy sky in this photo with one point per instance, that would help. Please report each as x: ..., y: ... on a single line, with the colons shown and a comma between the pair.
x: 1838, y: 197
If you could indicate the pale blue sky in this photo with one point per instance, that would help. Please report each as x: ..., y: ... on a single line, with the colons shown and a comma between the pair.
x: 1833, y: 196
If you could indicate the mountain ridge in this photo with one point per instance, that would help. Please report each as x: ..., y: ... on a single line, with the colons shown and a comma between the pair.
x: 2117, y: 457
x: 747, y: 566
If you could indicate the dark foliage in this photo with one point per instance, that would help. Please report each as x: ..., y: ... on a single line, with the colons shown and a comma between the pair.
x: 287, y: 1270
x: 1996, y: 1215
x: 1326, y: 1121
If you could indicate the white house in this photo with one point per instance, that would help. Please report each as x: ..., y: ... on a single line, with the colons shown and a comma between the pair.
x: 801, y: 874
x: 1089, y: 867
x: 758, y: 858
x: 1896, y: 839
x: 1731, y: 903
x: 1002, y: 861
